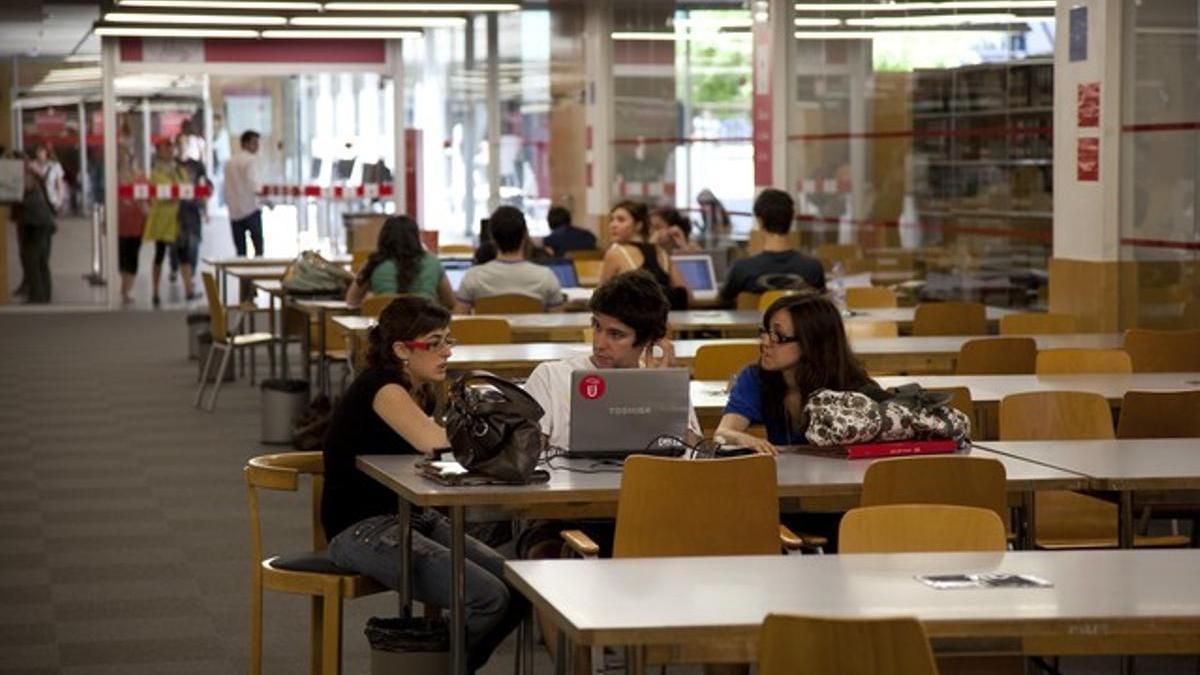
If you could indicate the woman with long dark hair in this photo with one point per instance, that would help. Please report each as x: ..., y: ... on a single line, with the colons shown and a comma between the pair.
x: 629, y: 224
x: 804, y: 348
x: 400, y: 264
x: 387, y: 411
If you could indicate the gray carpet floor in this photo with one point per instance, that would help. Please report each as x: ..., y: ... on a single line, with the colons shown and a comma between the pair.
x: 124, y: 545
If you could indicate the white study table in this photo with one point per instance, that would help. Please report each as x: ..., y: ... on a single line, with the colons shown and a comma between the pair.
x: 1102, y: 602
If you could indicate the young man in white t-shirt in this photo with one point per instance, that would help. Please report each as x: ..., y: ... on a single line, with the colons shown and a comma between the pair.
x: 629, y: 324
x: 509, y: 272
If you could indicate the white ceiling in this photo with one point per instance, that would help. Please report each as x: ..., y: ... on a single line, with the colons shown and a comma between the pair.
x: 48, y: 27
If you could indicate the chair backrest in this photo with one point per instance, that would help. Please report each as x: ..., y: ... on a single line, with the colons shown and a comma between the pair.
x: 747, y: 300
x: 835, y: 252
x: 950, y: 318
x: 282, y: 472
x: 1163, y: 351
x: 585, y: 254
x: 509, y: 303
x: 801, y: 645
x: 920, y: 528
x: 216, y: 309
x: 358, y: 259
x: 769, y: 297
x: 870, y: 297
x: 953, y: 480
x: 1068, y: 361
x: 997, y: 356
x: 587, y: 271
x: 456, y: 249
x: 1038, y: 323
x: 960, y: 399
x: 481, y: 330
x: 375, y: 304
x: 679, y: 507
x: 1055, y: 415
x: 722, y: 361
x: 856, y: 265
x: 1160, y: 414
x: 871, y: 329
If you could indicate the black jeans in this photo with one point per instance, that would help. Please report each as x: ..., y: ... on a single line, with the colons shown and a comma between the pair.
x: 251, y: 224
x: 36, y: 261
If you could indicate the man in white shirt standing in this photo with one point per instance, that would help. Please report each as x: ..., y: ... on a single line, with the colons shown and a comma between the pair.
x: 242, y: 185
x: 629, y: 325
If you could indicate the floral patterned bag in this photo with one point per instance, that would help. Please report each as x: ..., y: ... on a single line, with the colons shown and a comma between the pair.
x: 905, y: 413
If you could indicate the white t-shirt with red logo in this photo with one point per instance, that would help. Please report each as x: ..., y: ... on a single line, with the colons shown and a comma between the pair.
x: 550, y: 385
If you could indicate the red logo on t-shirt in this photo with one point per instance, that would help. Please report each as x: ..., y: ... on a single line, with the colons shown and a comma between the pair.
x: 591, y: 387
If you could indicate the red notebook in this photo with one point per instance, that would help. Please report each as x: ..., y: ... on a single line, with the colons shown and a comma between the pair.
x: 873, y: 450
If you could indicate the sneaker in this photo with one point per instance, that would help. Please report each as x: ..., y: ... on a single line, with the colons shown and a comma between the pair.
x: 156, y: 301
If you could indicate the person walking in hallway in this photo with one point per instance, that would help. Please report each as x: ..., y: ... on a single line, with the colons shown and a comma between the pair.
x: 131, y: 225
x: 242, y: 185
x: 35, y: 223
x: 162, y: 222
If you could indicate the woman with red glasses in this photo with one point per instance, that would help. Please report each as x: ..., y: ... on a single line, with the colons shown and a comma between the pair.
x: 803, y: 348
x: 387, y: 410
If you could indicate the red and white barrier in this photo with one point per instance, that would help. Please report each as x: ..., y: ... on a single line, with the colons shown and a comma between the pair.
x: 365, y: 191
x: 152, y: 192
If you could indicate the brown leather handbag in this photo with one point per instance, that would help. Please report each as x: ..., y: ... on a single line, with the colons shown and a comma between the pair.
x: 493, y: 427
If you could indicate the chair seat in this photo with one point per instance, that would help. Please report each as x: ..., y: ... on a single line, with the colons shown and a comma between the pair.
x: 250, y: 339
x: 317, y: 562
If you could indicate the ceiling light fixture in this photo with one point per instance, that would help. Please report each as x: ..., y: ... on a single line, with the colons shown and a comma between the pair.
x: 343, y: 34
x: 924, y: 6
x: 873, y: 34
x: 804, y: 21
x: 205, y: 19
x: 423, y: 6
x: 379, y: 21
x: 648, y: 36
x: 151, y: 31
x: 933, y: 20
x: 224, y: 4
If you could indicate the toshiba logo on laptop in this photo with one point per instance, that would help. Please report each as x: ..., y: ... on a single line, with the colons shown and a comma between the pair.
x: 630, y: 410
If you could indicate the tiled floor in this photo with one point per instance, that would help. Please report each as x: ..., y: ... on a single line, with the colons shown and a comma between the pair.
x: 123, y: 527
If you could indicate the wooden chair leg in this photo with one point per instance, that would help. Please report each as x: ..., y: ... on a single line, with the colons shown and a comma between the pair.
x: 208, y: 359
x: 225, y: 363
x: 316, y: 633
x: 256, y: 626
x: 331, y: 641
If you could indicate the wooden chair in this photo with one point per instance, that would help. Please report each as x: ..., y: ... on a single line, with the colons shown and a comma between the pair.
x: 871, y: 329
x: 769, y: 297
x: 837, y: 252
x: 960, y: 398
x: 587, y: 270
x: 510, y: 303
x: 950, y: 318
x: 951, y: 480
x: 585, y: 254
x: 856, y: 265
x: 227, y: 342
x: 997, y: 356
x: 747, y: 300
x: 1038, y: 323
x: 920, y: 528
x: 375, y: 304
x: 480, y: 330
x: 800, y: 645
x: 358, y: 259
x: 1159, y: 414
x: 870, y: 297
x: 723, y: 361
x: 309, y: 573
x: 456, y: 249
x: 1076, y: 361
x: 1068, y: 519
x: 1163, y: 351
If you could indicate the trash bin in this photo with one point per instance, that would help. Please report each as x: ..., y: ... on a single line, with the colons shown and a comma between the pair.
x: 203, y: 344
x: 409, y: 646
x: 197, y: 323
x: 282, y: 402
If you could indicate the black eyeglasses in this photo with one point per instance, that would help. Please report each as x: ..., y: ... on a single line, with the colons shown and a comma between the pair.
x: 775, y: 337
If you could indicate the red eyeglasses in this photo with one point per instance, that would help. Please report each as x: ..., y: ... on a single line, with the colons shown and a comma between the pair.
x: 433, y: 345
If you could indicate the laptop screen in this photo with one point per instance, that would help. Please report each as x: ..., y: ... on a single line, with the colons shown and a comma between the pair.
x: 565, y: 271
x: 455, y: 269
x: 697, y: 271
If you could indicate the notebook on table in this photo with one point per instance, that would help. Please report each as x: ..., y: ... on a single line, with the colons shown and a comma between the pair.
x: 620, y: 412
x: 697, y: 272
x: 876, y: 450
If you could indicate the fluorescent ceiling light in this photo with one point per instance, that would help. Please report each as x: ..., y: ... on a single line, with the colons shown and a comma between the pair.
x: 802, y: 21
x: 379, y: 21
x: 362, y: 34
x: 872, y: 34
x: 149, y: 31
x: 82, y: 58
x: 922, y: 6
x: 648, y: 36
x: 223, y: 4
x: 205, y: 19
x: 933, y: 20
x: 71, y: 74
x: 423, y: 6
x: 707, y: 22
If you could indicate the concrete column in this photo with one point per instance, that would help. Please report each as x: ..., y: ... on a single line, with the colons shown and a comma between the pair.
x: 598, y: 107
x: 108, y: 102
x: 399, y: 170
x: 493, y: 110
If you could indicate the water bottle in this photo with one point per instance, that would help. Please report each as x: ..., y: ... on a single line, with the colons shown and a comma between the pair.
x: 839, y: 287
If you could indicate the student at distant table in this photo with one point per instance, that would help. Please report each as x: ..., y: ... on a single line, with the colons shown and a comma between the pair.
x: 631, y: 249
x: 629, y: 330
x: 400, y: 264
x: 386, y: 411
x: 779, y: 265
x: 511, y: 272
x: 565, y: 237
x: 804, y: 348
x: 672, y: 230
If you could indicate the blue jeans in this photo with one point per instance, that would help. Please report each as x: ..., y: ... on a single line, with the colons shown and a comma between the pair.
x: 252, y: 225
x: 372, y: 547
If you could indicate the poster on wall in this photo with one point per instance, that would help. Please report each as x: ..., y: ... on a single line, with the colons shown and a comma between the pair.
x: 1087, y: 162
x: 1077, y: 33
x: 1087, y: 102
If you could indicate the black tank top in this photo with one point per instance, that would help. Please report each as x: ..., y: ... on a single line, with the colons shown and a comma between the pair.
x: 677, y: 296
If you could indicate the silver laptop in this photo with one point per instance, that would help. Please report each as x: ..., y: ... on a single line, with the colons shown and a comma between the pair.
x: 619, y: 412
x: 698, y: 274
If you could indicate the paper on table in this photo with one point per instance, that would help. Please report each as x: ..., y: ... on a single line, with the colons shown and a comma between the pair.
x: 449, y: 468
x: 992, y: 580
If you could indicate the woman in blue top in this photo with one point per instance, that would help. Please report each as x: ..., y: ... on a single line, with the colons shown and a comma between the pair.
x: 804, y: 348
x: 400, y: 264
